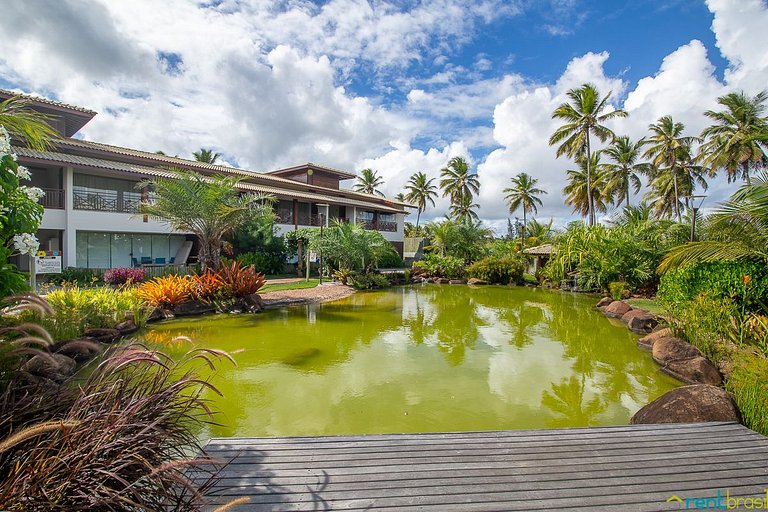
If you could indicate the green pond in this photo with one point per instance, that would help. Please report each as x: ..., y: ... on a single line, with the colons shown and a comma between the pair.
x: 422, y: 359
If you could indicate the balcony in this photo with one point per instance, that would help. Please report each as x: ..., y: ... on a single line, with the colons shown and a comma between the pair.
x: 387, y: 226
x: 106, y: 201
x: 53, y: 198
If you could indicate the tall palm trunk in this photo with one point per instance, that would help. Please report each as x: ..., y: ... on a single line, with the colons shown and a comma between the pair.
x: 418, y: 214
x: 589, y: 184
x: 677, y: 196
x: 626, y: 191
x: 522, y: 231
x: 745, y: 165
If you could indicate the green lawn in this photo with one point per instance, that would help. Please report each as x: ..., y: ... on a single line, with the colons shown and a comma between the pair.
x: 290, y: 286
x: 648, y: 304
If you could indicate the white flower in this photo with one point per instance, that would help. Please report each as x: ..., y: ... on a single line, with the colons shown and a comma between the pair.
x: 5, y: 142
x: 26, y: 243
x: 33, y: 193
x: 23, y: 173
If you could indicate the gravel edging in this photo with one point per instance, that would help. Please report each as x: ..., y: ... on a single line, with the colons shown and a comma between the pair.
x: 321, y: 293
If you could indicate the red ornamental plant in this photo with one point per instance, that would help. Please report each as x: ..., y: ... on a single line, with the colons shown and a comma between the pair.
x: 241, y: 281
x: 118, y: 276
x: 208, y: 285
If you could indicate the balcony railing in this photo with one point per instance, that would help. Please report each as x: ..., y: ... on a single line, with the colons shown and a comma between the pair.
x: 387, y: 226
x: 53, y: 198
x: 106, y: 201
x: 284, y: 217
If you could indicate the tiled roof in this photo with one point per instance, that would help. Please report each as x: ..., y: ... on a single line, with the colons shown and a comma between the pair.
x: 46, y: 101
x: 332, y: 170
x: 144, y: 171
x: 541, y: 250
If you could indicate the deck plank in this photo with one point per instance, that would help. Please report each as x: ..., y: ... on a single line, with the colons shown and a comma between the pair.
x: 626, y: 468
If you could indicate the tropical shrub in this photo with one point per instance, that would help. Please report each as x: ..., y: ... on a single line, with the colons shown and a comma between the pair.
x: 369, y: 280
x: 435, y: 265
x: 120, y: 276
x: 618, y: 290
x: 498, y: 269
x: 720, y: 280
x: 265, y: 262
x: 748, y: 383
x: 464, y: 240
x: 208, y: 286
x: 390, y: 259
x: 240, y: 281
x: 167, y: 291
x: 77, y: 277
x: 255, y: 244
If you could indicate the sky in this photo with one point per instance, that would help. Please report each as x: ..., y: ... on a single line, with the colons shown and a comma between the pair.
x: 397, y: 86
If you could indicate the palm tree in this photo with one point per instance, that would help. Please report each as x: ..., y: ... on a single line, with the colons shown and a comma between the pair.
x: 624, y: 170
x: 368, y: 182
x: 30, y: 125
x: 578, y: 193
x: 738, y: 137
x: 421, y: 191
x: 740, y: 225
x: 211, y: 207
x: 523, y: 193
x: 584, y: 117
x: 671, y: 189
x: 207, y: 156
x: 400, y: 197
x: 458, y: 183
x: 464, y: 211
x: 667, y: 146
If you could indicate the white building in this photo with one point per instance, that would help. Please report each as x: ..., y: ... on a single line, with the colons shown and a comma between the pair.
x: 91, y: 196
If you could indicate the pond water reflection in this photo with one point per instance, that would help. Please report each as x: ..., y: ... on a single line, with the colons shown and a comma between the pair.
x: 422, y: 359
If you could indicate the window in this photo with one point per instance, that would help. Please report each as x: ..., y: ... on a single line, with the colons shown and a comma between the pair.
x: 109, y: 250
x: 100, y: 193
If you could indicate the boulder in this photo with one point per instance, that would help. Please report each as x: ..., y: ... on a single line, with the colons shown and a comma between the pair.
x: 666, y: 350
x: 457, y: 281
x: 251, y: 303
x: 443, y: 280
x: 642, y: 323
x: 102, y: 335
x: 78, y: 350
x: 604, y: 302
x: 697, y: 370
x: 127, y: 327
x: 617, y: 309
x: 476, y: 282
x: 193, y: 308
x: 56, y: 367
x: 646, y: 342
x: 689, y: 404
x: 159, y: 314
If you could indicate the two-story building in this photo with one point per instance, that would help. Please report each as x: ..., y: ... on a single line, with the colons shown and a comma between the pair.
x: 91, y: 196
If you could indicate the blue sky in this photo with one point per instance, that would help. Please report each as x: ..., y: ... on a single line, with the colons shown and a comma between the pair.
x: 398, y: 86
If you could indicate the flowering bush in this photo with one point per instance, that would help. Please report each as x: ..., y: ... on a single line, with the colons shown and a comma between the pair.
x: 239, y: 280
x: 118, y: 276
x: 20, y: 216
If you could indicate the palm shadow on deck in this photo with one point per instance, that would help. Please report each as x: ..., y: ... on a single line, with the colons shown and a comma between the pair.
x: 623, y: 468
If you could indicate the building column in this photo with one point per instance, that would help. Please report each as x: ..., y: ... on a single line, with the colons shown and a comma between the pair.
x: 296, y: 214
x: 354, y: 215
x: 69, y: 238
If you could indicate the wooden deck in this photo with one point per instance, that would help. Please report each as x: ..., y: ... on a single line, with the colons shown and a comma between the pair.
x: 627, y: 468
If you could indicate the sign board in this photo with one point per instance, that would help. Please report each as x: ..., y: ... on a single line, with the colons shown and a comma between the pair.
x: 312, y: 257
x: 48, y: 264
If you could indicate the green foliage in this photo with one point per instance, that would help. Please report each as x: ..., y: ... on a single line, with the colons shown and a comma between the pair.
x: 618, y: 289
x: 435, y: 265
x: 749, y: 385
x: 706, y: 321
x: 498, y: 269
x: 464, y: 240
x: 720, y: 280
x: 391, y: 259
x: 530, y: 279
x: 77, y: 277
x: 599, y: 255
x: 76, y: 309
x: 350, y: 246
x: 256, y: 244
x: 368, y: 280
x: 211, y: 207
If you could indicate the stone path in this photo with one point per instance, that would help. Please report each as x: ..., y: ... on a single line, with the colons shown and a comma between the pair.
x: 322, y: 293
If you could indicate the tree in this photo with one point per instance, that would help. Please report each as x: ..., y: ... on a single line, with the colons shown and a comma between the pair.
x: 211, y: 207
x: 28, y: 124
x: 586, y: 188
x: 368, y: 182
x: 523, y: 192
x: 400, y: 197
x: 667, y: 147
x: 624, y: 171
x: 464, y: 211
x: 584, y: 116
x: 348, y: 246
x: 464, y: 240
x: 671, y: 188
x: 421, y: 192
x: 739, y: 229
x: 207, y: 156
x: 459, y: 184
x: 736, y: 141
